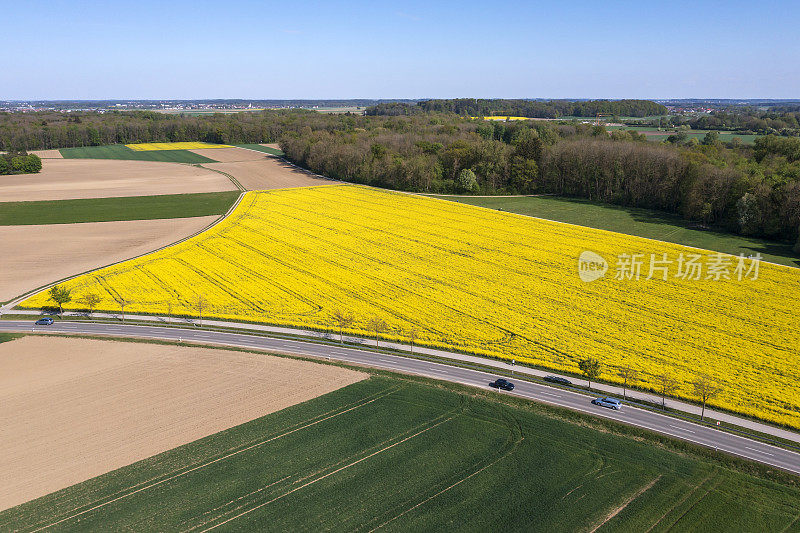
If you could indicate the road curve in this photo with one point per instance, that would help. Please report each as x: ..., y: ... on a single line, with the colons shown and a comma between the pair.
x: 675, y: 427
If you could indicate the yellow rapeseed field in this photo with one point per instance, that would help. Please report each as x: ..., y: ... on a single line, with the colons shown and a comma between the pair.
x: 143, y: 147
x: 504, y: 118
x: 482, y: 281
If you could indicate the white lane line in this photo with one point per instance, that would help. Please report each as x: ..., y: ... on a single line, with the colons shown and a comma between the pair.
x: 759, y: 451
x: 681, y: 429
x: 548, y: 394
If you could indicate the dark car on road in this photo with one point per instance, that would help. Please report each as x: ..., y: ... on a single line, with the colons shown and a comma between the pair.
x: 558, y: 379
x: 44, y: 321
x: 611, y: 403
x: 503, y: 384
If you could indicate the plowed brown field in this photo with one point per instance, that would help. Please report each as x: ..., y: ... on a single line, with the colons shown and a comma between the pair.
x: 72, y: 409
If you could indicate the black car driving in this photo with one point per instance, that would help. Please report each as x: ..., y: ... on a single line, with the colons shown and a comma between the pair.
x: 503, y: 384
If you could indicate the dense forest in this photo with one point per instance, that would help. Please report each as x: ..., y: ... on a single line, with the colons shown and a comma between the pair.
x: 522, y: 108
x: 754, y: 190
x: 749, y: 190
x: 19, y: 163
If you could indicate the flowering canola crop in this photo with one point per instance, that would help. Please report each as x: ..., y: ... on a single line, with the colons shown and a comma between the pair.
x: 473, y: 279
x: 145, y: 147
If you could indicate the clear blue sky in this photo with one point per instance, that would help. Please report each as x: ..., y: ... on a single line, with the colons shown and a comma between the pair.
x: 371, y: 49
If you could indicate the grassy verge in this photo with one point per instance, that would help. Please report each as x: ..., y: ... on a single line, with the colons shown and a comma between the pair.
x: 123, y: 208
x: 635, y: 221
x: 405, y: 453
x: 260, y: 148
x: 5, y: 337
x: 120, y: 151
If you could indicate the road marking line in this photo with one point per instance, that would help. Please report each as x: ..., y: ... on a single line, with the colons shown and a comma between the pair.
x: 759, y: 451
x: 682, y: 429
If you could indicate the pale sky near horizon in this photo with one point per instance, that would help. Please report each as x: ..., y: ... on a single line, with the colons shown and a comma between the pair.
x: 366, y: 49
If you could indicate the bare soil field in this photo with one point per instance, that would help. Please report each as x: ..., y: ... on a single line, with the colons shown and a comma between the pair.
x: 32, y: 256
x: 47, y: 154
x: 72, y: 409
x: 269, y: 173
x: 228, y: 155
x: 62, y: 179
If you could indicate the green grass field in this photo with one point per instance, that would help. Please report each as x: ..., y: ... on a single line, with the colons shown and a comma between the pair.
x: 123, y: 208
x: 404, y: 455
x: 655, y: 135
x: 120, y: 151
x: 5, y: 337
x: 265, y: 149
x: 634, y: 221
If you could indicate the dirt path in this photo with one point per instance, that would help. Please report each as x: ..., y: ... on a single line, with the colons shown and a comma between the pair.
x: 72, y: 409
x: 227, y: 155
x: 269, y: 173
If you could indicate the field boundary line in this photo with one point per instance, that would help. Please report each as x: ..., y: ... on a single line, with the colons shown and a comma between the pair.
x: 14, y: 301
x: 377, y: 395
x: 217, y: 460
x: 330, y: 473
x: 229, y: 176
x: 586, y: 227
x: 614, y: 512
x: 434, y: 197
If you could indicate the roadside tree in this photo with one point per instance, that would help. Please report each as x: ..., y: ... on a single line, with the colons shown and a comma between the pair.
x: 590, y: 368
x: 628, y: 375
x: 666, y: 385
x: 705, y: 387
x: 343, y: 319
x: 122, y: 302
x: 90, y: 300
x: 60, y: 295
x: 378, y: 326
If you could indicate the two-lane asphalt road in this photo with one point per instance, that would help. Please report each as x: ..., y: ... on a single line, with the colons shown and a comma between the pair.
x: 720, y: 440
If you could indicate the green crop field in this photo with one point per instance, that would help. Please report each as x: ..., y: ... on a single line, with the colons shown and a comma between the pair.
x: 406, y: 455
x: 260, y: 148
x: 635, y: 221
x: 120, y: 151
x: 123, y: 208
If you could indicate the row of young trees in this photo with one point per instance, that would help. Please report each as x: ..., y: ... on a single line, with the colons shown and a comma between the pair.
x: 703, y: 386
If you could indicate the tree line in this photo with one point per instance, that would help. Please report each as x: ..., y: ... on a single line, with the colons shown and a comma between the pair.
x: 477, y: 107
x: 753, y: 190
x: 748, y: 190
x: 784, y: 122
